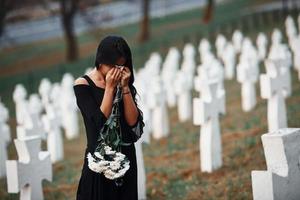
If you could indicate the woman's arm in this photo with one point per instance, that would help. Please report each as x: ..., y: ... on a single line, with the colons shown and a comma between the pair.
x: 112, y: 79
x: 107, y: 102
x: 130, y: 109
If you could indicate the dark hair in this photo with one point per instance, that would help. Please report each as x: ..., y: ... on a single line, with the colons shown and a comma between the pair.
x: 112, y: 48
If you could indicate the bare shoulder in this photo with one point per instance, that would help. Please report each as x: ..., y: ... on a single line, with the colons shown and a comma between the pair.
x: 80, y: 81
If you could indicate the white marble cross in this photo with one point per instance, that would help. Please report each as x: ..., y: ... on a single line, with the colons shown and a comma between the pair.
x: 141, y: 86
x: 141, y: 171
x: 27, y: 173
x: 19, y: 97
x: 206, y: 113
x: 157, y: 103
x: 183, y: 88
x: 291, y: 30
x: 220, y: 45
x: 261, y: 43
x: 211, y: 69
x: 52, y: 123
x: 33, y: 125
x: 247, y: 75
x: 281, y: 180
x: 275, y: 87
x: 296, y: 51
x: 4, y: 138
x: 54, y: 139
x: 237, y: 38
x: 204, y: 48
x: 169, y: 70
x: 44, y: 91
x: 70, y: 121
x: 228, y: 57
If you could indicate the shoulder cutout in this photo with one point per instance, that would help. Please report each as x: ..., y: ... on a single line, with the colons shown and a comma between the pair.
x: 81, y: 81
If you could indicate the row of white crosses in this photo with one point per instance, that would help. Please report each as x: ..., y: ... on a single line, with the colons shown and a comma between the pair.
x: 34, y: 165
x: 275, y: 89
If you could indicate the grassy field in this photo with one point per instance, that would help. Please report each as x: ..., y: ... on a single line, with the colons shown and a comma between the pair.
x: 172, y: 164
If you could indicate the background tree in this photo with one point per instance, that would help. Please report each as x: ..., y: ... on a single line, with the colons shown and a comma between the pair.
x: 5, y: 7
x: 144, y: 25
x: 68, y: 10
x: 208, y: 13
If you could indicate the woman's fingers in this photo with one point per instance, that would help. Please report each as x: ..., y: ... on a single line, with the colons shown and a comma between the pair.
x: 119, y: 76
x: 114, y: 73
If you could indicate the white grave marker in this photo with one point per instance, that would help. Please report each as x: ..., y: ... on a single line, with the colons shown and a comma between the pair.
x: 4, y: 138
x: 33, y: 124
x: 27, y: 173
x: 281, y: 180
x: 141, y: 171
x: 275, y: 87
x: 70, y: 121
x: 183, y: 89
x: 247, y: 75
x: 261, y: 43
x: 228, y: 57
x: 206, y: 113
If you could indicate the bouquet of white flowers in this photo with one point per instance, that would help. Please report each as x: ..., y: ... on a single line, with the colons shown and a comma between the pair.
x: 107, y: 158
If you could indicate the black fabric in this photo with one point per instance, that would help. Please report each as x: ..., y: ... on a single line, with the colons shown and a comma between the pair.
x: 94, y: 186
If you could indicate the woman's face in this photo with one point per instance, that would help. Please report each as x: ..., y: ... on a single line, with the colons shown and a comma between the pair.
x: 106, y: 67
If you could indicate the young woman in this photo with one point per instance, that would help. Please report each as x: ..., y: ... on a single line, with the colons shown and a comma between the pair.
x: 94, y: 95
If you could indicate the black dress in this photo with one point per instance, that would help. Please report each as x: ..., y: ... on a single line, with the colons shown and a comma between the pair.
x: 94, y: 186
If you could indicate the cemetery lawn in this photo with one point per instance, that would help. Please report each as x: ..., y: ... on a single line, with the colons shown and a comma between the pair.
x: 173, y: 164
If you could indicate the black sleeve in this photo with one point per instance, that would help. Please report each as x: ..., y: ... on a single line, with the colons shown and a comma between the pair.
x: 88, y: 105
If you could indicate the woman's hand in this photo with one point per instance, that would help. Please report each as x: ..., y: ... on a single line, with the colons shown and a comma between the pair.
x: 112, y: 78
x: 125, y: 77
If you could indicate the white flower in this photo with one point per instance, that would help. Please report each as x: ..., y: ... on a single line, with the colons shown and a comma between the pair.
x: 107, y: 148
x: 115, y: 165
x: 111, y: 169
x: 98, y: 155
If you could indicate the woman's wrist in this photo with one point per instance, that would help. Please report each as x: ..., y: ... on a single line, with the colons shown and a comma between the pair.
x: 125, y: 89
x: 110, y: 90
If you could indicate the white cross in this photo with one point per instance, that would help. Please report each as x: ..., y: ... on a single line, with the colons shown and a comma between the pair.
x: 281, y: 180
x: 275, y: 87
x: 27, y: 173
x: 247, y: 75
x: 206, y: 113
x: 54, y: 134
x: 4, y: 138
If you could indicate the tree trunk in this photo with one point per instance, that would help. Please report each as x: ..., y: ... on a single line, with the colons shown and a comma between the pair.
x: 71, y: 42
x: 68, y: 10
x: 208, y: 11
x: 5, y: 7
x: 144, y: 31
